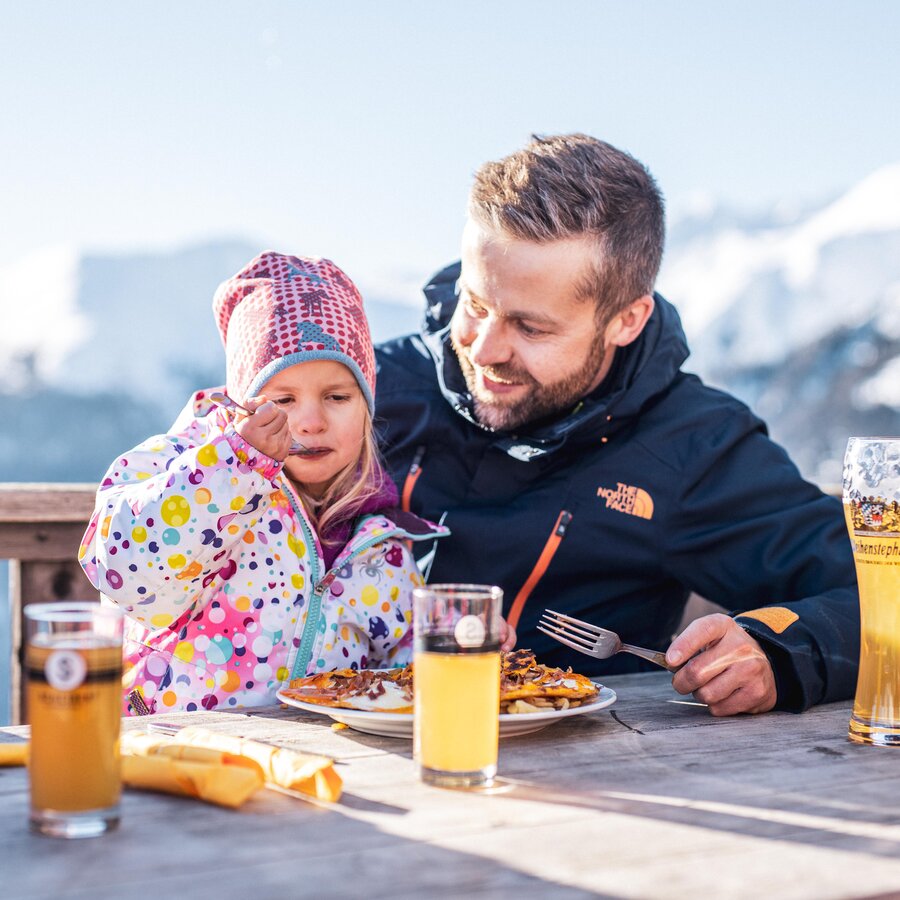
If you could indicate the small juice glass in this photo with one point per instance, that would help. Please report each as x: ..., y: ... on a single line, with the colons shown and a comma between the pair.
x: 456, y: 681
x: 73, y: 667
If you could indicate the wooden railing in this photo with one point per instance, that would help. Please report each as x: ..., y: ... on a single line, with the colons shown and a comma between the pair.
x: 41, y: 526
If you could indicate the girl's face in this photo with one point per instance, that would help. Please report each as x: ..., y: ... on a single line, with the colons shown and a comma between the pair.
x: 326, y: 412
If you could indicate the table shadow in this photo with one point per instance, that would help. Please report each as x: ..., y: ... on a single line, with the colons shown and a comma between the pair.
x: 274, y: 846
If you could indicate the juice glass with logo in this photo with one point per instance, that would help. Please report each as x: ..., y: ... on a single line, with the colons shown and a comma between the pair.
x: 872, y: 512
x: 73, y: 667
x: 456, y: 678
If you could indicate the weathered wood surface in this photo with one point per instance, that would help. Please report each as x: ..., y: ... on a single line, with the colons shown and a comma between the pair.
x: 42, y: 502
x: 650, y: 798
x: 41, y: 526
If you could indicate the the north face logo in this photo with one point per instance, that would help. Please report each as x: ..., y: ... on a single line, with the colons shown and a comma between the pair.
x: 628, y: 499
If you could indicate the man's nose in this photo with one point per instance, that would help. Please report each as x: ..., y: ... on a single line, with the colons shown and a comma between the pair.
x: 489, y: 346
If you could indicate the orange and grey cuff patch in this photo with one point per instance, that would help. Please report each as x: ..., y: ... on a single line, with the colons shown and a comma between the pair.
x: 778, y: 618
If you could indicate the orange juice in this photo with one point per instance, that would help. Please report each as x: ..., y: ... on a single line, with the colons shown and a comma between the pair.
x: 876, y: 709
x: 457, y: 704
x: 74, y: 706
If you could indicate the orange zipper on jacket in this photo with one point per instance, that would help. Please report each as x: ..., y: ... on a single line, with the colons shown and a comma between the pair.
x: 543, y: 561
x: 412, y: 476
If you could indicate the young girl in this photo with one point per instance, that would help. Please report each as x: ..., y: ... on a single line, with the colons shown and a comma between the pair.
x: 242, y: 559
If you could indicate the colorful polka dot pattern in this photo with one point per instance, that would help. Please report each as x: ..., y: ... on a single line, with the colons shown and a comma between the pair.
x: 278, y: 306
x: 195, y: 537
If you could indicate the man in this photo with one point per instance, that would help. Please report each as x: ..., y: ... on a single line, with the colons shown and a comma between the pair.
x: 542, y: 415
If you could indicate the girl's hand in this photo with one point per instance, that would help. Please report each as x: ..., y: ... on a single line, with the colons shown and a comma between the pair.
x: 267, y: 429
x: 507, y: 636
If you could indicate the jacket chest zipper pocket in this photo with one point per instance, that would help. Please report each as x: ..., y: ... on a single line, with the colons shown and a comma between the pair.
x: 540, y: 567
x: 412, y: 476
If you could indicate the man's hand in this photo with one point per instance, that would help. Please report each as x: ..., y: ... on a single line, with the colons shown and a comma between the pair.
x: 266, y: 429
x: 729, y: 670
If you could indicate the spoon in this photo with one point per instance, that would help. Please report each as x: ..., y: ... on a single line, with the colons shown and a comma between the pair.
x: 223, y: 399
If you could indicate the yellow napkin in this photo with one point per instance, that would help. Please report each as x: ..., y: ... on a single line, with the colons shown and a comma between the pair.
x: 218, y: 768
x: 311, y: 775
x: 14, y: 754
x: 303, y: 772
x: 140, y: 743
x: 227, y: 785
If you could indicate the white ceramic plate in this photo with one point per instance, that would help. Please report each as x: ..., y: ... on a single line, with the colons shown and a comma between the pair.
x: 401, y: 724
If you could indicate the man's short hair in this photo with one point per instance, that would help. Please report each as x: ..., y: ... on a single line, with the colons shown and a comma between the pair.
x: 573, y: 185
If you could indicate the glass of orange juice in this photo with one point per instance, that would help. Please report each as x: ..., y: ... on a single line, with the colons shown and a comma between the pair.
x: 456, y: 666
x: 73, y: 667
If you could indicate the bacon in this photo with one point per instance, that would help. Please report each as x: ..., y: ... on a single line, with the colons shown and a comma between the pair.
x: 521, y: 676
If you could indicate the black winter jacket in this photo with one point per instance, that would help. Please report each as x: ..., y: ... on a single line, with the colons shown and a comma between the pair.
x: 652, y: 487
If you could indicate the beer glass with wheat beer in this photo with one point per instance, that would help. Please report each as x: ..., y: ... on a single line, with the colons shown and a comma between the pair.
x: 872, y: 511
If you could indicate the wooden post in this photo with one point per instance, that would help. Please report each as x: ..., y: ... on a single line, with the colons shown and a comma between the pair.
x: 41, y: 526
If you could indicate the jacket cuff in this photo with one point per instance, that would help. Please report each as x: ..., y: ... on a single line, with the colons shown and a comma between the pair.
x: 793, y: 668
x: 247, y: 454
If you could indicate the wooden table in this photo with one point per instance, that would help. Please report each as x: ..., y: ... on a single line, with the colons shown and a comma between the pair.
x: 650, y: 798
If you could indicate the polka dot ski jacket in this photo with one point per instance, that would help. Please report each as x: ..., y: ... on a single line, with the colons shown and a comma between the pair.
x: 201, y: 541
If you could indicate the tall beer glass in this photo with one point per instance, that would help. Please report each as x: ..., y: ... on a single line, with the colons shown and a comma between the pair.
x: 872, y: 511
x: 456, y: 681
x: 73, y: 666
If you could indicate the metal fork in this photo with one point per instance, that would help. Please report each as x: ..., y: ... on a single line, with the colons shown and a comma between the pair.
x: 591, y: 640
x: 223, y: 399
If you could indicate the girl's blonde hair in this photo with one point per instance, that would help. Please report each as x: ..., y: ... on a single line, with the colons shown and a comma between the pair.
x: 351, y: 488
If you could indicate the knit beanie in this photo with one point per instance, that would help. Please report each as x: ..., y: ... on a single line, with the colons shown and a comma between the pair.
x: 282, y: 310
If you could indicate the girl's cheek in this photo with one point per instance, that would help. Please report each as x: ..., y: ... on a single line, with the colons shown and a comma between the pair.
x: 289, y: 465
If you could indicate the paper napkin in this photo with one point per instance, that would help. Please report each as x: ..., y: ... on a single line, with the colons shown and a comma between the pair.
x: 311, y: 775
x: 226, y: 785
x: 218, y: 768
x: 14, y: 754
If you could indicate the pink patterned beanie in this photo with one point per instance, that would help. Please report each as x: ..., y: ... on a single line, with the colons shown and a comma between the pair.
x: 282, y: 310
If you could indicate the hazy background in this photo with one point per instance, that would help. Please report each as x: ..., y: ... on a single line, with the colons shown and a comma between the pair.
x: 146, y: 154
x: 353, y: 128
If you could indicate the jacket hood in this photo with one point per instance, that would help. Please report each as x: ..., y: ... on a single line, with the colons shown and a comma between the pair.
x: 640, y: 372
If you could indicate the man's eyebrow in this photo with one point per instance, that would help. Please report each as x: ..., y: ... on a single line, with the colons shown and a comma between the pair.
x: 538, y: 318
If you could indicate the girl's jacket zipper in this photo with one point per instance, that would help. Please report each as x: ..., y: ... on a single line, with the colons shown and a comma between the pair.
x: 313, y: 612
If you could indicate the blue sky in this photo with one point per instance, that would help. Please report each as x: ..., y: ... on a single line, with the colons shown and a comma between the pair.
x: 351, y: 129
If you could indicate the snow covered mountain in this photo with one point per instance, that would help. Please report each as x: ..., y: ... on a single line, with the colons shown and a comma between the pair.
x: 800, y: 318
x: 99, y: 351
x: 141, y: 324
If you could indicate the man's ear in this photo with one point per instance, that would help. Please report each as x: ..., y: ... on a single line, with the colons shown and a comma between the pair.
x: 628, y: 324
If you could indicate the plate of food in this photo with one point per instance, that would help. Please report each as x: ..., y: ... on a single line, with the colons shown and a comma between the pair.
x: 379, y: 701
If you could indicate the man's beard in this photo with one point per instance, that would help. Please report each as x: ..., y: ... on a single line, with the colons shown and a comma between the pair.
x: 541, y: 400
